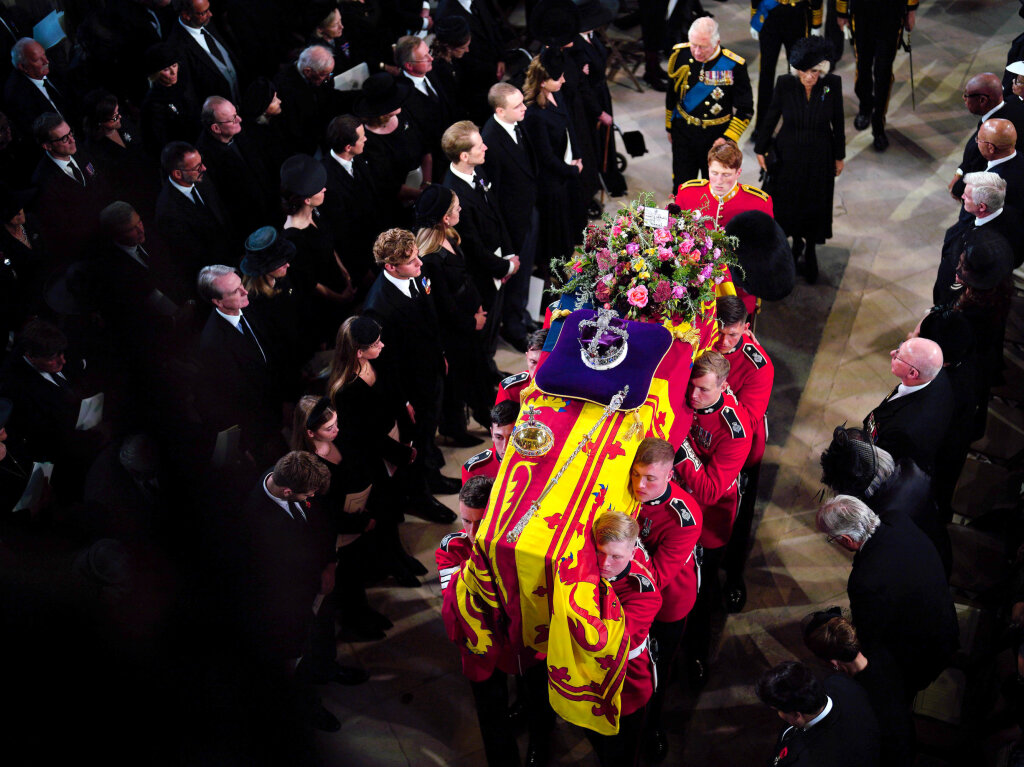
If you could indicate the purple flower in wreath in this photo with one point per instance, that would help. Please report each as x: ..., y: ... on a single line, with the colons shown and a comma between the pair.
x: 678, y: 290
x: 706, y: 272
x: 621, y: 267
x: 662, y: 292
x: 632, y: 248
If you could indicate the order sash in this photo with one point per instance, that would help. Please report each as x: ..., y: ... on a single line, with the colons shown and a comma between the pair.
x: 763, y: 9
x: 700, y: 91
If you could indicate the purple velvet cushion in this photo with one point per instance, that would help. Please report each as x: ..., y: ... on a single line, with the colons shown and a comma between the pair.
x: 563, y: 373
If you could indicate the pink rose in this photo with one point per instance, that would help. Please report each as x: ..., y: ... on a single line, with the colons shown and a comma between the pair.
x: 638, y: 296
x: 661, y: 236
x: 616, y: 230
x: 664, y: 254
x: 678, y: 291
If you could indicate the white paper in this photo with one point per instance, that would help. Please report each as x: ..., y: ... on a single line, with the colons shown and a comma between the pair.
x: 90, y: 413
x: 352, y: 79
x: 415, y: 178
x: 656, y: 217
x: 50, y: 30
x: 34, y: 489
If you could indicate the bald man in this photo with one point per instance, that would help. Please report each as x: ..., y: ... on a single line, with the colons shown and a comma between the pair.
x: 997, y: 140
x: 912, y: 421
x: 983, y: 96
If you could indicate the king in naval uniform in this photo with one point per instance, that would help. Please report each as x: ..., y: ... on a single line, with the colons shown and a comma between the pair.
x: 710, y: 98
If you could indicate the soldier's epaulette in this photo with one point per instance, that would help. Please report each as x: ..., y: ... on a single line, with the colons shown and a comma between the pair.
x: 645, y: 583
x: 514, y: 379
x: 480, y: 457
x: 680, y: 46
x: 452, y: 537
x: 678, y: 505
x: 757, y: 192
x: 734, y: 56
x: 733, y: 422
x: 753, y: 354
x: 694, y: 182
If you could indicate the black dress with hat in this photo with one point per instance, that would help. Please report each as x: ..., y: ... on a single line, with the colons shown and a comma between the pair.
x: 23, y: 271
x: 132, y: 170
x: 810, y: 141
x: 312, y: 265
x: 284, y: 318
x: 169, y: 114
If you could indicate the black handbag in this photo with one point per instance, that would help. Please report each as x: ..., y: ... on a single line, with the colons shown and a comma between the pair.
x: 633, y: 141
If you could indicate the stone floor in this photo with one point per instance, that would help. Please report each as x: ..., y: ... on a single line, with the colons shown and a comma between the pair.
x: 829, y: 342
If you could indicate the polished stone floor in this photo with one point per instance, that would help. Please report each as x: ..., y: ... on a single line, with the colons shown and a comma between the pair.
x: 829, y: 342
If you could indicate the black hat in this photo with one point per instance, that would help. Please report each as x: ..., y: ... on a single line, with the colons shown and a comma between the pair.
x: 316, y: 12
x: 257, y: 98
x: 382, y: 94
x: 849, y: 464
x: 808, y: 52
x: 13, y: 200
x: 452, y: 31
x: 988, y: 259
x: 767, y: 265
x: 365, y: 330
x: 555, y: 22
x: 432, y: 206
x: 161, y: 56
x: 952, y: 331
x: 265, y: 251
x: 302, y: 176
x: 596, y: 13
x: 553, y: 61
x: 6, y: 406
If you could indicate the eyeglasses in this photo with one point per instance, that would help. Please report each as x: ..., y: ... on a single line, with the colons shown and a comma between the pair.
x: 975, y: 96
x: 979, y: 142
x: 67, y: 138
x: 113, y: 117
x: 830, y: 539
x: 897, y: 356
x: 196, y: 169
x: 234, y: 119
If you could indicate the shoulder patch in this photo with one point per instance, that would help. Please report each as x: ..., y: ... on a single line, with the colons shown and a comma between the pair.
x: 678, y: 505
x: 759, y: 193
x: 680, y: 46
x: 477, y: 459
x: 694, y: 183
x: 734, y: 56
x: 733, y: 422
x: 645, y: 583
x: 512, y: 380
x: 753, y: 354
x: 446, y: 541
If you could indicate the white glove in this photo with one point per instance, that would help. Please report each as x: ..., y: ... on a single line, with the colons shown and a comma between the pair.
x: 754, y: 34
x: 847, y: 33
x: 817, y: 32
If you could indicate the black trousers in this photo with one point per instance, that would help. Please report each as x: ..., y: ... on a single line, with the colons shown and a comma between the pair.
x: 668, y: 637
x: 491, y: 699
x: 619, y: 750
x: 739, y: 541
x: 517, y: 290
x: 784, y: 26
x: 709, y: 599
x: 876, y: 36
x: 690, y: 145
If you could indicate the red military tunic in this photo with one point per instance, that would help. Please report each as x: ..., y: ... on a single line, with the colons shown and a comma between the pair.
x: 670, y: 527
x: 512, y: 387
x: 637, y: 593
x: 453, y: 553
x: 484, y: 464
x: 751, y: 374
x: 697, y: 195
x: 720, y: 438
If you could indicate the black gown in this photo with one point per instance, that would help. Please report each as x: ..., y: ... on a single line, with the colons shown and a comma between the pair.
x: 808, y: 144
x: 313, y: 264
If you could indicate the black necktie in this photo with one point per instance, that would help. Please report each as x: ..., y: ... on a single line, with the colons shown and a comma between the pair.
x: 197, y: 199
x: 243, y: 325
x: 297, y: 511
x: 414, y: 292
x: 51, y: 91
x: 212, y: 45
x: 76, y: 172
x: 519, y: 135
x: 142, y: 254
x: 431, y: 93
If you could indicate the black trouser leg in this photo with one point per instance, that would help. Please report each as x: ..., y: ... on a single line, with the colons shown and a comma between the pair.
x: 690, y: 146
x: 739, y: 541
x: 668, y: 637
x: 885, y: 55
x: 864, y: 44
x: 652, y: 27
x: 709, y: 600
x: 619, y: 750
x: 491, y: 699
x: 540, y: 717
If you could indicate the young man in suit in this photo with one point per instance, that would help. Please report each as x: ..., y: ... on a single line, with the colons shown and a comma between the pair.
x: 413, y: 358
x: 490, y: 255
x: 512, y: 168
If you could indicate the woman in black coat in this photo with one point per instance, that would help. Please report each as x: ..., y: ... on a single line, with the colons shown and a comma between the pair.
x: 810, y: 147
x: 170, y: 110
x: 550, y: 128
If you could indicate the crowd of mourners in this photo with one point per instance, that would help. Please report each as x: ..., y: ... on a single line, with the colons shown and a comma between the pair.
x: 256, y: 259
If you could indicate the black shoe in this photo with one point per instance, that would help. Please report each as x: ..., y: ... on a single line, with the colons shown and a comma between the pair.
x: 698, y: 673
x: 656, y: 747
x: 463, y: 439
x: 442, y: 485
x: 516, y: 342
x: 536, y: 756
x: 881, y: 142
x: 810, y: 269
x: 658, y: 80
x: 378, y: 619
x: 517, y: 715
x: 349, y: 675
x: 735, y: 595
x: 319, y: 718
x: 413, y: 565
x: 862, y: 120
x: 432, y: 510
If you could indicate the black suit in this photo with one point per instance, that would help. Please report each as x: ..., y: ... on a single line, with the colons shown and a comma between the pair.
x: 353, y: 211
x: 848, y: 736
x: 478, y: 68
x: 23, y: 102
x: 44, y: 413
x: 972, y: 160
x: 69, y: 210
x: 204, y: 75
x: 430, y: 116
x: 198, y: 236
x: 1008, y: 224
x: 305, y: 109
x: 243, y: 183
x: 235, y: 384
x: 907, y: 609
x: 413, y: 357
x: 913, y: 425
